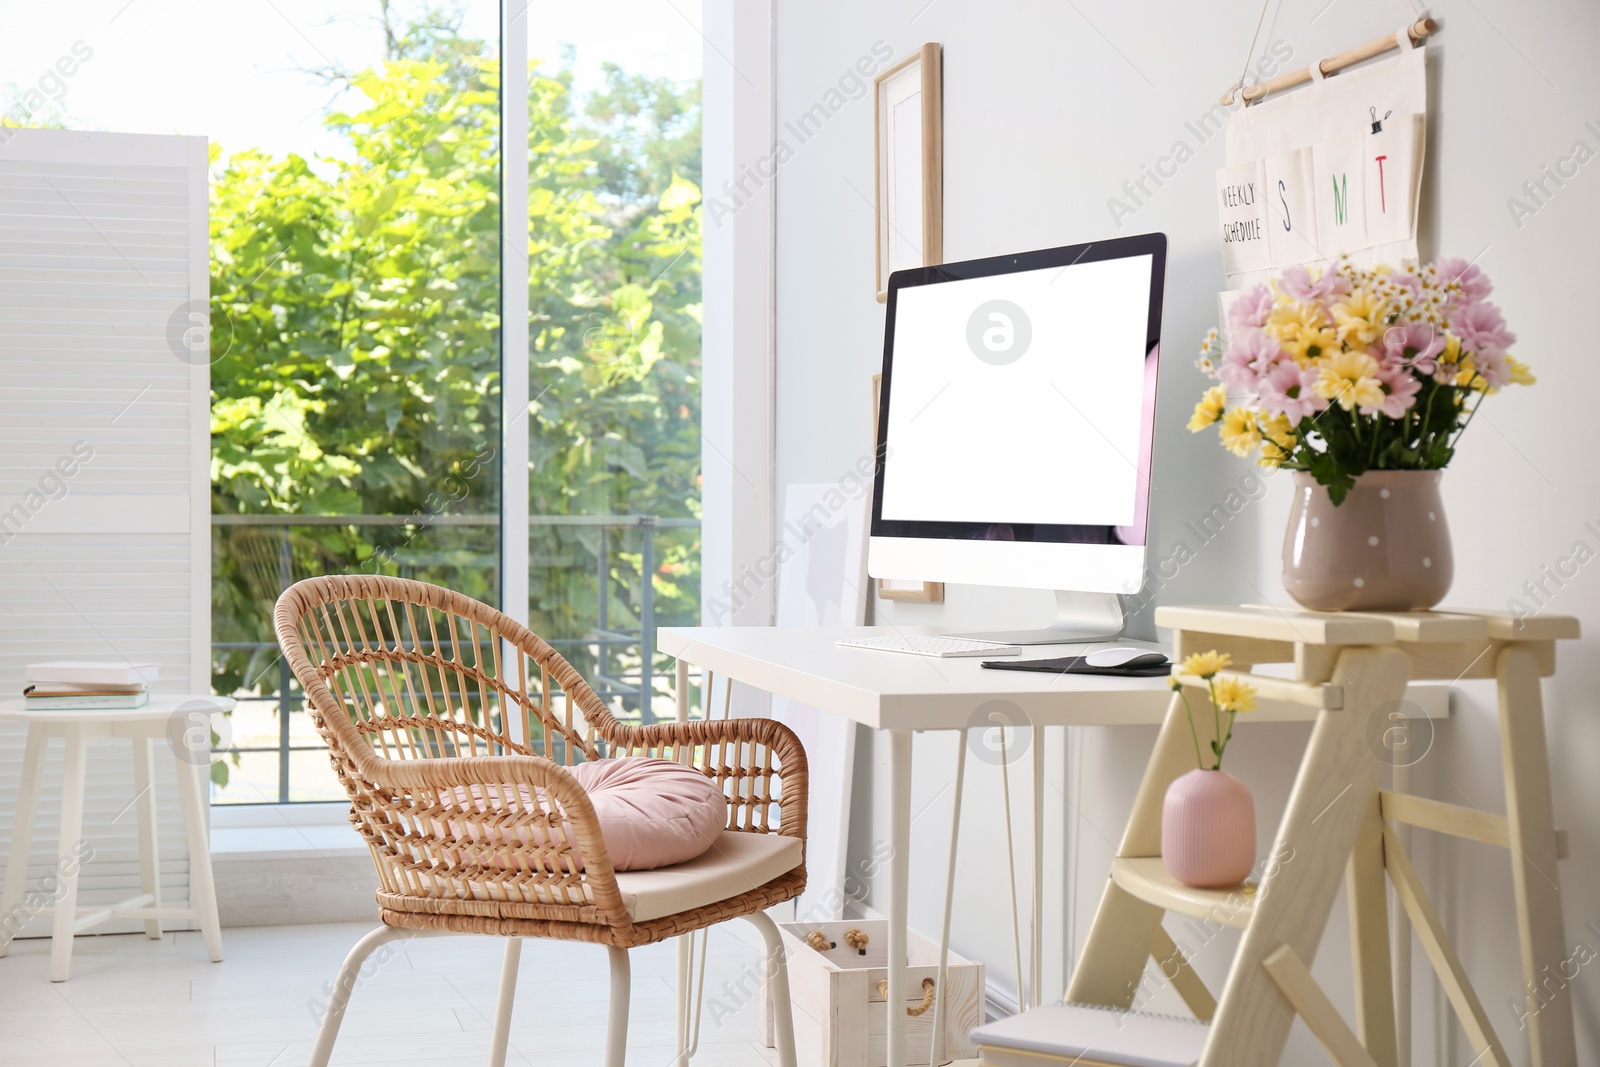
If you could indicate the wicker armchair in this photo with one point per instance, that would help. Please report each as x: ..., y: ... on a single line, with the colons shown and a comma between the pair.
x: 451, y: 726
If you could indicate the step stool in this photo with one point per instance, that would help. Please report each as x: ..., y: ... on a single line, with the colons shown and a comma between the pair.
x: 1353, y: 668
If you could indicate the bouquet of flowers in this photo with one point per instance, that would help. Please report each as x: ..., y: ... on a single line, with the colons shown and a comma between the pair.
x: 1351, y: 369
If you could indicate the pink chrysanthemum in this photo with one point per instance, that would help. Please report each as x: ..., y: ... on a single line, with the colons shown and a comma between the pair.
x: 1250, y: 310
x: 1286, y: 389
x: 1472, y: 285
x: 1482, y: 328
x: 1494, y: 366
x: 1400, y: 391
x: 1413, y: 344
x: 1297, y: 284
x: 1251, y: 353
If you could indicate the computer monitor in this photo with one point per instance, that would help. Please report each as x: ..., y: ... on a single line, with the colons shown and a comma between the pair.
x: 1015, y: 423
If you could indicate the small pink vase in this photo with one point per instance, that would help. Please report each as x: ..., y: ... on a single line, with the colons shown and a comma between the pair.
x: 1208, y: 830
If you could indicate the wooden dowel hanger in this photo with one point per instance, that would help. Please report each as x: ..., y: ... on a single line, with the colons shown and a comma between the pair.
x: 1417, y: 31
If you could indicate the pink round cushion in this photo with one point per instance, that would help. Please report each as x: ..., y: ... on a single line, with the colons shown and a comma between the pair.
x: 652, y: 812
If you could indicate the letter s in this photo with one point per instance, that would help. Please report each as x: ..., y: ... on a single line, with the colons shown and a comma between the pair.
x: 82, y: 50
x: 882, y: 51
x: 1282, y: 185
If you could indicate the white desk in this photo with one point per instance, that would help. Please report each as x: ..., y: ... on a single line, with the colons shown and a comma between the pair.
x: 178, y: 721
x: 899, y: 694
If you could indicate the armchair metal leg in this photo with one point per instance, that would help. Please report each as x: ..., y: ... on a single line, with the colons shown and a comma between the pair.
x: 778, y: 981
x: 343, y: 985
x: 508, y: 994
x: 617, y: 1022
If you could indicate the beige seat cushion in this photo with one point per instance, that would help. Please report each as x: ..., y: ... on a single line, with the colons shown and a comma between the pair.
x: 734, y: 864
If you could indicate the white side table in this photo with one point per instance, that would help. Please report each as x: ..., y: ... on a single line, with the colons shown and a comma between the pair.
x: 182, y: 722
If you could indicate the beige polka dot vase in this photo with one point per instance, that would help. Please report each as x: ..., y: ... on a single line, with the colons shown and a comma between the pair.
x: 1386, y: 548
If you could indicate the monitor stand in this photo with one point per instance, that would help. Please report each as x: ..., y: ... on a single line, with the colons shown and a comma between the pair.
x: 1080, y: 617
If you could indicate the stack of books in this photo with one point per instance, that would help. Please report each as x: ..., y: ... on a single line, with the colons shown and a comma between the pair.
x: 77, y: 685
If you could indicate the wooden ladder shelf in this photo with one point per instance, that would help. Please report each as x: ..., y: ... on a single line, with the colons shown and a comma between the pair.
x: 1353, y: 668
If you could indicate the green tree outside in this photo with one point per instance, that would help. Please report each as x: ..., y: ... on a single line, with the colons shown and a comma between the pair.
x: 356, y: 322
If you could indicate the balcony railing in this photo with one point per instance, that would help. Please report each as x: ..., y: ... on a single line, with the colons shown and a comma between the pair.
x: 613, y: 649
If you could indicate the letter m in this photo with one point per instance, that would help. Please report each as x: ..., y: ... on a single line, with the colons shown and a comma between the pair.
x: 1341, y: 199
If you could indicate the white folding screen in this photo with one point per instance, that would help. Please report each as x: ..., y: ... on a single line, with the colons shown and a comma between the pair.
x: 105, y: 542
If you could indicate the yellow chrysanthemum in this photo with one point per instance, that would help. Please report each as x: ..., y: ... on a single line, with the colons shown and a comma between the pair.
x: 1351, y: 379
x: 1361, y: 317
x: 1240, y: 434
x: 1279, y: 430
x: 1206, y: 664
x: 1302, y: 329
x: 1278, y: 441
x: 1209, y: 409
x: 1452, y: 349
x: 1520, y: 372
x: 1234, y: 695
x: 1467, y: 377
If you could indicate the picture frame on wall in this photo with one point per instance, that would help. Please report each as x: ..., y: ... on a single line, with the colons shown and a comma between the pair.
x: 908, y: 166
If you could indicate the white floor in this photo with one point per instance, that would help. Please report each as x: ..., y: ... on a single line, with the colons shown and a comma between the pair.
x: 143, y: 1003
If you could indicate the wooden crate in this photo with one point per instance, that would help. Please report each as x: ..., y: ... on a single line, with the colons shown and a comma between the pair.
x: 840, y: 1018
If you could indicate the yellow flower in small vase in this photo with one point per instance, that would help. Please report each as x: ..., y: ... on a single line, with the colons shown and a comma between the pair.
x: 1234, y: 695
x: 1209, y: 409
x: 1207, y: 664
x: 1208, y: 825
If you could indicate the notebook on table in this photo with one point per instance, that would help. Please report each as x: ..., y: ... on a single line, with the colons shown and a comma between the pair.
x: 92, y: 672
x: 1081, y: 1035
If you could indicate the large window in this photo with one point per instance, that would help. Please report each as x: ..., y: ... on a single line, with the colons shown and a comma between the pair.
x: 357, y: 315
x: 614, y: 340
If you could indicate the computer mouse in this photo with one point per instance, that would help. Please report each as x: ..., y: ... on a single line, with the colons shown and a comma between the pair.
x: 1125, y: 657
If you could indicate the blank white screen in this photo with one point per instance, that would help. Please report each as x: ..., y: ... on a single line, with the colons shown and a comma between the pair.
x: 1052, y: 437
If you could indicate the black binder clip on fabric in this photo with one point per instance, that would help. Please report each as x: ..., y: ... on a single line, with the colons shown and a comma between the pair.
x: 1377, y: 123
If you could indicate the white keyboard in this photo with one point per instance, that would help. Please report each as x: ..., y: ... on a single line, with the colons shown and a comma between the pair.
x: 932, y: 645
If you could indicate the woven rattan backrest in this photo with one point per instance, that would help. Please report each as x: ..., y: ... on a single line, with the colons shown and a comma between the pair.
x: 418, y: 671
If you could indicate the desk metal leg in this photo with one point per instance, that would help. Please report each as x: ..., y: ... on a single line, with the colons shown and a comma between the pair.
x: 149, y: 843
x: 1036, y: 941
x: 942, y: 991
x: 11, y: 915
x: 68, y: 854
x: 899, y: 882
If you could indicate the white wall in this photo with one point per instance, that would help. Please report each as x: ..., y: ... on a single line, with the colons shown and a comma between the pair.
x: 1049, y: 109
